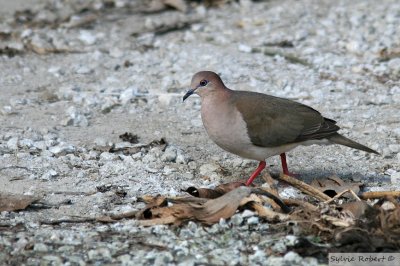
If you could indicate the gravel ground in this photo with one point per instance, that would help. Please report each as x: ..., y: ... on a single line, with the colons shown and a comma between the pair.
x: 64, y: 106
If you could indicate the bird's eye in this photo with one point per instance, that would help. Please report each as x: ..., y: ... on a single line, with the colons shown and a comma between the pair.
x: 203, y: 83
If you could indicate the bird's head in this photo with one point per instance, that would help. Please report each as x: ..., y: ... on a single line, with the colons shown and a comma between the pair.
x: 204, y: 83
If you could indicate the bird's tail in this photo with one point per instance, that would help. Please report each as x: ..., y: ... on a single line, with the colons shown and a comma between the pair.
x: 339, y: 139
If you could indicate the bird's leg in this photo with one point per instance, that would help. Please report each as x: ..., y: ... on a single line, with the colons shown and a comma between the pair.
x: 285, y: 167
x: 260, y: 167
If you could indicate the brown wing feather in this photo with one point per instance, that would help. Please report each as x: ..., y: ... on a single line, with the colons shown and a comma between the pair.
x: 273, y: 121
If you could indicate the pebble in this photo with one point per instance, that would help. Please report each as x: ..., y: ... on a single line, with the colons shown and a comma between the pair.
x: 395, y: 178
x: 244, y: 48
x: 237, y: 219
x: 40, y: 247
x: 293, y: 258
x: 208, y: 169
x: 253, y: 220
x: 180, y: 157
x: 87, y: 37
x: 169, y: 154
x: 49, y: 174
x: 7, y: 110
x: 247, y: 213
x: 62, y: 149
x: 127, y: 95
x: 12, y: 143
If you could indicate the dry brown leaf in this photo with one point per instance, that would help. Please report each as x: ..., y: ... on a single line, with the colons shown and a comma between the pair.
x: 177, y: 4
x: 333, y: 185
x: 223, y: 207
x: 340, y: 222
x: 356, y: 208
x: 213, y: 193
x: 13, y: 202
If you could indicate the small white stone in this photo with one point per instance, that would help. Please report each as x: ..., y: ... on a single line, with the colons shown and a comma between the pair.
x: 116, y: 52
x: 248, y: 213
x: 207, y: 169
x: 292, y: 257
x: 12, y: 143
x: 87, y: 37
x: 169, y: 154
x: 127, y: 95
x: 106, y: 156
x: 83, y: 70
x: 244, y: 48
x: 6, y: 110
x: 395, y: 178
x: 253, y: 220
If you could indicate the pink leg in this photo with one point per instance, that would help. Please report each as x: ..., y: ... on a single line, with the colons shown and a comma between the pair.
x: 260, y: 167
x: 285, y: 167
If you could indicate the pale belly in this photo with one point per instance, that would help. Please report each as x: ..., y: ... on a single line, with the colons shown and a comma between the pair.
x: 230, y: 133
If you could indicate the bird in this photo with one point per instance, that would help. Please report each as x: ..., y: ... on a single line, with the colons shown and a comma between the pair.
x: 257, y: 126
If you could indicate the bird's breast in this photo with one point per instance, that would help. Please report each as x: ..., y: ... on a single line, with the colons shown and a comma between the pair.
x: 226, y: 127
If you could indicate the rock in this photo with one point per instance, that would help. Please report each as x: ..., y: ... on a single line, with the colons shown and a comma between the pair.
x: 180, y: 158
x: 291, y: 240
x: 395, y: 148
x: 87, y: 37
x: 26, y: 143
x: 192, y: 165
x: 208, y: 169
x: 98, y: 254
x: 75, y: 118
x: 169, y: 154
x: 107, y: 156
x: 83, y: 70
x: 258, y: 257
x: 163, y: 258
x: 293, y: 258
x: 55, y: 260
x: 12, y: 143
x: 247, y: 213
x: 49, y: 174
x: 116, y: 52
x: 252, y: 220
x: 7, y: 110
x: 244, y: 48
x: 237, y: 219
x: 40, y: 247
x: 395, y: 178
x: 127, y: 95
x: 41, y: 145
x: 62, y: 149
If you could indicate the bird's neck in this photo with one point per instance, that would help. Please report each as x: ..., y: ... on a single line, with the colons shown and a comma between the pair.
x: 215, y: 105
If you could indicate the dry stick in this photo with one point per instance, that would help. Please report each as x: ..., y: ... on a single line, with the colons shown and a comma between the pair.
x: 341, y: 194
x: 303, y: 187
x: 379, y: 194
x: 303, y: 204
x: 272, y: 189
x: 269, y: 214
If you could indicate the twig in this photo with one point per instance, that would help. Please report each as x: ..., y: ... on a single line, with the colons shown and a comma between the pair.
x: 304, y: 204
x: 272, y: 189
x: 69, y: 220
x: 379, y: 194
x: 305, y: 188
x: 341, y: 194
x: 269, y: 214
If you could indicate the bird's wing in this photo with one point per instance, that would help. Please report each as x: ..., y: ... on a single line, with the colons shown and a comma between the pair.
x: 273, y: 121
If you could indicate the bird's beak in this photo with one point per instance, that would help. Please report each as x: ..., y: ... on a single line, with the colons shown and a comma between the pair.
x: 188, y: 93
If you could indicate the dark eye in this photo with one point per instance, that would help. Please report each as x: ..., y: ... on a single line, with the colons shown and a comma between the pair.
x: 203, y: 83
